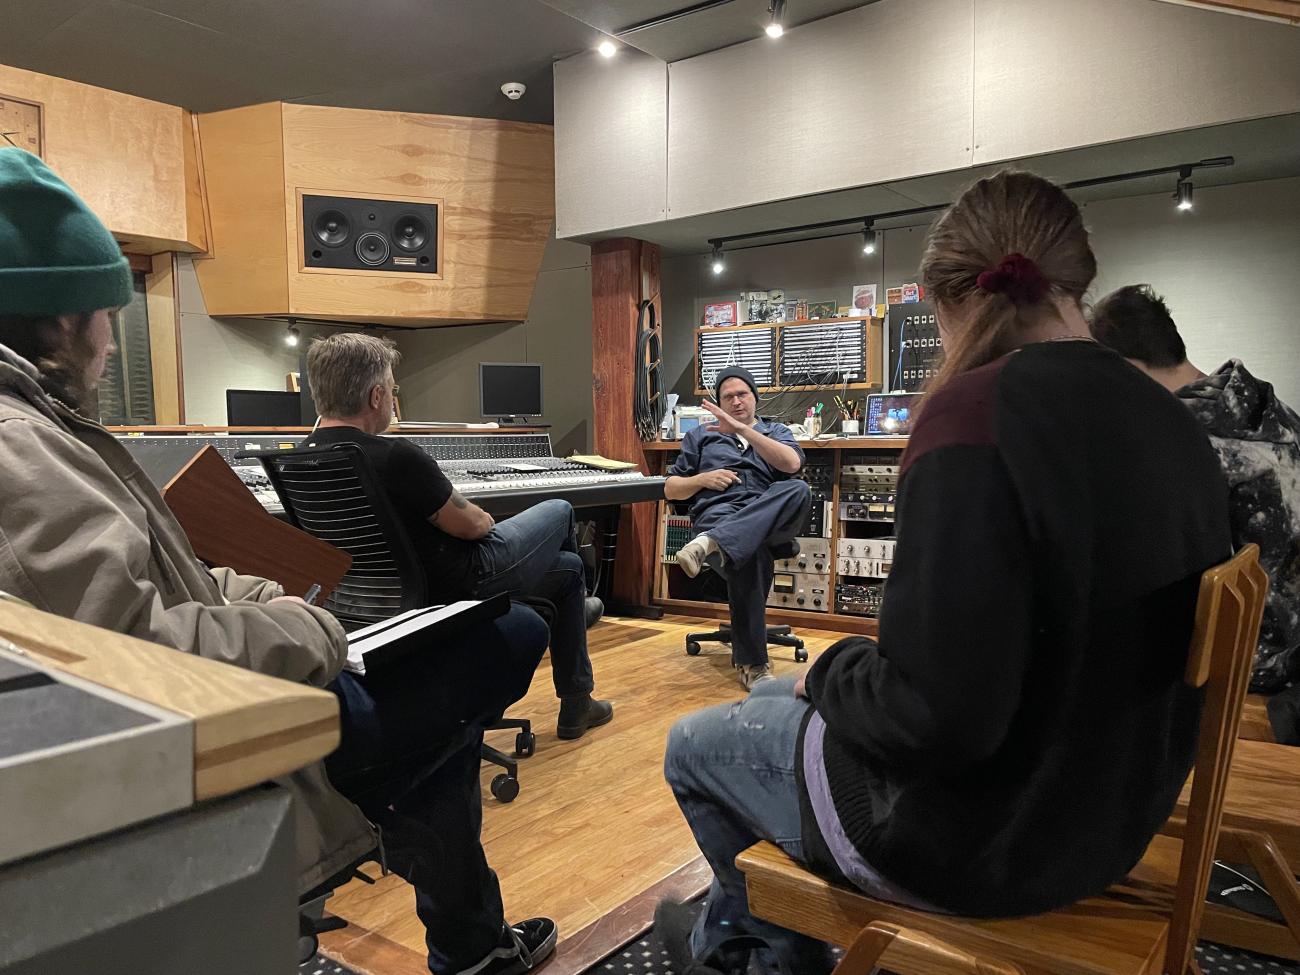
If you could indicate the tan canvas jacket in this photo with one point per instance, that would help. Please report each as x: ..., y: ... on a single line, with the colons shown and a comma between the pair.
x: 86, y: 535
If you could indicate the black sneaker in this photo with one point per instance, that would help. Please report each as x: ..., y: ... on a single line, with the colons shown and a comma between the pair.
x: 579, y: 714
x: 524, y: 946
x: 595, y: 609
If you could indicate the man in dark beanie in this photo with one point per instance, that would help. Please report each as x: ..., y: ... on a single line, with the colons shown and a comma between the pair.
x: 738, y: 472
x: 84, y: 534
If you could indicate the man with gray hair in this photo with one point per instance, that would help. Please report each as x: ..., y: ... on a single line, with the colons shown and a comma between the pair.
x: 465, y: 553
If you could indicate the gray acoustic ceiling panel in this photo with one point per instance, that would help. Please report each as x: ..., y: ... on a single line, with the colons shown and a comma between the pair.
x: 611, y: 142
x: 436, y: 56
x: 697, y: 33
x: 1042, y: 68
x: 851, y: 100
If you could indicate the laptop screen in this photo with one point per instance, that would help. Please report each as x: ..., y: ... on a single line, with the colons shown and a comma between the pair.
x: 890, y: 414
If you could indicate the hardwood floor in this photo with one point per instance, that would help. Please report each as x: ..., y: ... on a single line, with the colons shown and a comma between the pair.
x: 594, y: 826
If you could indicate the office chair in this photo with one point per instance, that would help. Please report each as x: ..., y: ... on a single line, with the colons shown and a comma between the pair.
x: 331, y: 493
x: 781, y: 636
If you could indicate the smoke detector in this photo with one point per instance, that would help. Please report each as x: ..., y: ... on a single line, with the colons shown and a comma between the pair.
x: 513, y: 90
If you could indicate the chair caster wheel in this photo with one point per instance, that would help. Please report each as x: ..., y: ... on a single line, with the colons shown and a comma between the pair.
x: 504, y: 788
x: 525, y: 744
x: 307, y: 945
x: 800, y: 655
x: 692, y: 648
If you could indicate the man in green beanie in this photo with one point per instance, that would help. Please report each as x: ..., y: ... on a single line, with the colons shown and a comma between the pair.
x: 84, y: 534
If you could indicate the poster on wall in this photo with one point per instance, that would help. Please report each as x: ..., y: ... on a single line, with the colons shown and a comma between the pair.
x: 721, y: 313
x: 864, y: 300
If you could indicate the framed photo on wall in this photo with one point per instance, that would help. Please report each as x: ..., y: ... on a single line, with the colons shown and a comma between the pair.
x: 721, y: 313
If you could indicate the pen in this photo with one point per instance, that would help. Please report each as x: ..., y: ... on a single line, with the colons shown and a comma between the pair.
x: 312, y: 593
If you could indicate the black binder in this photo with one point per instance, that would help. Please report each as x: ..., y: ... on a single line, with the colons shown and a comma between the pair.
x: 378, y: 649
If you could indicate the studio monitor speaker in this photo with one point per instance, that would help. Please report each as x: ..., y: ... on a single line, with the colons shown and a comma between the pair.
x: 350, y: 233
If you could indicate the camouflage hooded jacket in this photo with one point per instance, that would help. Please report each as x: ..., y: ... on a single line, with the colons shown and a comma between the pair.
x: 1257, y: 437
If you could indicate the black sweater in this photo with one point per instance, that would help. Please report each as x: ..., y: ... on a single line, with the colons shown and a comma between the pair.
x: 1024, y: 708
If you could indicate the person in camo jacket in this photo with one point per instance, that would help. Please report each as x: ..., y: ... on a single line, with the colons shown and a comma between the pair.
x: 1257, y: 438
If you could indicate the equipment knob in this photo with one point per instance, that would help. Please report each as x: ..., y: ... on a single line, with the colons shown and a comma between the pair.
x: 817, y: 602
x: 800, y: 600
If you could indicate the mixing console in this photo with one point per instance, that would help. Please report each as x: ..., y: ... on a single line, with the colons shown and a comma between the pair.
x: 503, y: 473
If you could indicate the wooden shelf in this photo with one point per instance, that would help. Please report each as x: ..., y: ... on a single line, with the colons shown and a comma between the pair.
x: 799, y: 321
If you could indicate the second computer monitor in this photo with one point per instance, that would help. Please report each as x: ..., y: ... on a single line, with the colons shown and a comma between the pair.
x: 510, y: 390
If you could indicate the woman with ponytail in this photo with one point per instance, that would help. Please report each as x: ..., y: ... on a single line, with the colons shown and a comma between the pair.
x: 1021, y: 728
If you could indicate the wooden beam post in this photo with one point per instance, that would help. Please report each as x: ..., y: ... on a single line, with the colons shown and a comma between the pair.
x: 624, y: 272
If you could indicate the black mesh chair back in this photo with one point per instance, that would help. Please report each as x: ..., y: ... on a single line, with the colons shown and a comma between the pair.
x: 331, y: 492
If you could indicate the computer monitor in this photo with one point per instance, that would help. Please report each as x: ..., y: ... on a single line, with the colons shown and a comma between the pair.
x: 510, y: 390
x: 263, y: 408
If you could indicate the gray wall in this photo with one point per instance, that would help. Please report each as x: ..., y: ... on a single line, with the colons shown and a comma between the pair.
x: 899, y: 89
x: 1227, y: 270
x: 439, y: 368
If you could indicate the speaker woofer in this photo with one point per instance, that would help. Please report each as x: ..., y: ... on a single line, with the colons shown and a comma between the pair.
x: 331, y: 228
x: 410, y: 232
x: 372, y: 248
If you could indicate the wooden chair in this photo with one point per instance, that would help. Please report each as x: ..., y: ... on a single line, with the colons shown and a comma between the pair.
x: 1255, y: 725
x: 905, y: 952
x: 1146, y: 924
x: 1261, y: 827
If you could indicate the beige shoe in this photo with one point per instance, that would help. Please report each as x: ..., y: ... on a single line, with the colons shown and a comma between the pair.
x: 692, y: 555
x: 752, y: 674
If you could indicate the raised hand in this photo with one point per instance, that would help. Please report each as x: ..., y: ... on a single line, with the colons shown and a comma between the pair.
x: 724, y: 421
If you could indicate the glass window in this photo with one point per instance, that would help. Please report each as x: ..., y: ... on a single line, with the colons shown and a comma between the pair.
x: 126, y: 389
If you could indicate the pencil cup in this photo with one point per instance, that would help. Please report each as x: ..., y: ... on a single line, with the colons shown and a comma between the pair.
x: 849, y: 428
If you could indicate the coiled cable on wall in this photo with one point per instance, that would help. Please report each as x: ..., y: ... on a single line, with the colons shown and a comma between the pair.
x: 648, y: 383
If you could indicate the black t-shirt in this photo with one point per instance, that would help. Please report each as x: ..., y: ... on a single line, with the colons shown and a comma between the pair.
x: 417, y: 487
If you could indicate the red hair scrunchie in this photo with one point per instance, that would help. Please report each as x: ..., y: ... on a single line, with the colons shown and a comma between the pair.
x: 1017, y: 277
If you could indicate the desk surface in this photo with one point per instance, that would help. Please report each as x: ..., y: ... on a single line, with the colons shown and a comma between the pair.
x: 248, y: 728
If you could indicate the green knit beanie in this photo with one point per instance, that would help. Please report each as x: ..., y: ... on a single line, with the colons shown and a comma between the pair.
x: 56, y: 258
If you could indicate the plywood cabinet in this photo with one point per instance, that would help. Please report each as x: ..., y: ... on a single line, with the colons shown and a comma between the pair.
x: 494, y: 181
x: 129, y: 158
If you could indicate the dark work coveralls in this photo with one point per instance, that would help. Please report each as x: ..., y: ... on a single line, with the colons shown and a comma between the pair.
x: 765, y: 508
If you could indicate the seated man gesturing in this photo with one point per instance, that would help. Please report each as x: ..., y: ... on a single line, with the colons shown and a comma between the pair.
x: 465, y: 553
x: 738, y: 473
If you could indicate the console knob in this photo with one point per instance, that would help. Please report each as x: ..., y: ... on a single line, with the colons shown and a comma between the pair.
x: 800, y: 600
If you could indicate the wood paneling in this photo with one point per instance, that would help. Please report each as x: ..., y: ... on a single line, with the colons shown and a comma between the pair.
x: 245, y: 272
x: 165, y: 339
x: 495, y: 180
x: 124, y: 155
x: 595, y: 825
x: 247, y: 728
x: 623, y: 271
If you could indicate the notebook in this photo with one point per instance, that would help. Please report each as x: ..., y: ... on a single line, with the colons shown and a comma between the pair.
x: 380, y: 647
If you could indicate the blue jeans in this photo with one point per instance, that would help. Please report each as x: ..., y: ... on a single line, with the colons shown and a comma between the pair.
x: 746, y: 528
x: 732, y: 770
x: 409, y: 758
x: 535, y: 553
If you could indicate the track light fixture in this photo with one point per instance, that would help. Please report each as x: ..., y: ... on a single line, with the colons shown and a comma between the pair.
x: 607, y: 48
x: 868, y: 238
x: 291, y: 337
x: 776, y: 24
x: 1183, y: 192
